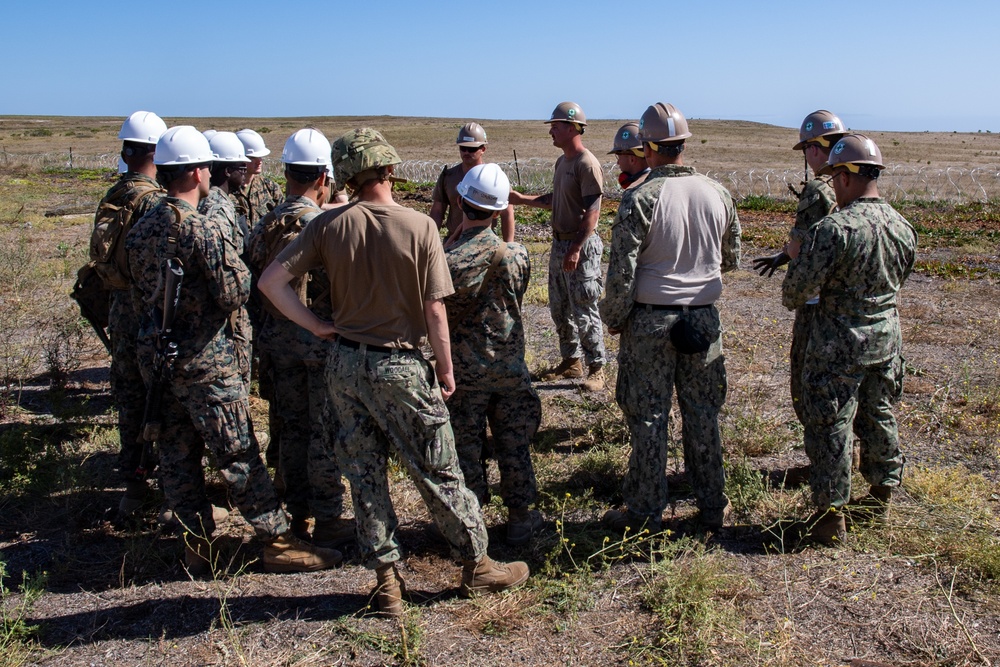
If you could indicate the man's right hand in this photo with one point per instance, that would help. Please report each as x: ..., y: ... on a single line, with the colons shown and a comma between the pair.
x: 766, y: 266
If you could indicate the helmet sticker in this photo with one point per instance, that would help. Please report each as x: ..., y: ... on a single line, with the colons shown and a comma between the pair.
x: 571, y: 112
x: 830, y: 125
x: 625, y: 134
x: 480, y: 196
x: 809, y: 126
x: 642, y: 123
x: 839, y: 148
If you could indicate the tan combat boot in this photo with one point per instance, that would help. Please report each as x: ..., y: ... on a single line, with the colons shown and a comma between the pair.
x: 489, y: 576
x: 521, y: 525
x: 595, y: 379
x: 828, y: 528
x: 329, y: 533
x: 389, y: 591
x: 287, y: 553
x: 197, y: 555
x: 568, y: 368
x: 871, y: 507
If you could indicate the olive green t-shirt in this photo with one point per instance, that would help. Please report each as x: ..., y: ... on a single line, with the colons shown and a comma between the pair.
x: 573, y: 180
x: 383, y: 261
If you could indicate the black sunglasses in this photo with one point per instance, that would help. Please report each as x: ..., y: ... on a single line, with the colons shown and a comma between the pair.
x: 469, y: 149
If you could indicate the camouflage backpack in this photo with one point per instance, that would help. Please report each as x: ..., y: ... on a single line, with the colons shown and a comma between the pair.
x: 111, y: 224
x: 269, y: 237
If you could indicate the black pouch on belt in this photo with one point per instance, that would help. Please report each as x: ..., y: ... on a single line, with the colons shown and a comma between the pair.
x: 687, y: 339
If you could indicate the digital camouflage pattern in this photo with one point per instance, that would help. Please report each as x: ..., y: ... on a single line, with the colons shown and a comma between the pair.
x: 258, y: 196
x: 857, y: 259
x: 306, y: 422
x: 219, y: 208
x: 816, y: 201
x: 389, y: 403
x: 207, y: 397
x: 573, y: 298
x: 491, y: 376
x: 127, y: 390
x: 650, y: 367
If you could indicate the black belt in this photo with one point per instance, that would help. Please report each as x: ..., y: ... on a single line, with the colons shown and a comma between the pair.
x: 658, y: 306
x: 355, y: 345
x: 570, y: 236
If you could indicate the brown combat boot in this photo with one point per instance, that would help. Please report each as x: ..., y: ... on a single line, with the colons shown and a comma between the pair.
x: 489, y: 576
x: 135, y: 494
x: 287, y: 553
x: 630, y: 525
x: 871, y: 507
x: 197, y: 555
x: 570, y: 368
x: 714, y: 518
x: 595, y: 379
x: 389, y: 591
x: 828, y: 528
x: 329, y: 533
x: 521, y: 525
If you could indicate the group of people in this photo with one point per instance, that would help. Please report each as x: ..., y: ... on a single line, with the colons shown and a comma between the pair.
x: 346, y: 287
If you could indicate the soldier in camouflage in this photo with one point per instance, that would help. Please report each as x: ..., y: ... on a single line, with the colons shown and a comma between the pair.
x: 388, y: 279
x: 205, y: 398
x: 575, y: 260
x: 307, y: 424
x: 629, y: 154
x: 259, y: 194
x: 673, y: 238
x: 487, y: 343
x: 137, y: 190
x: 819, y: 132
x: 229, y: 170
x: 857, y: 259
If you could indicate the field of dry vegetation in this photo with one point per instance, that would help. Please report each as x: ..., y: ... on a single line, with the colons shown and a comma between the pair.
x: 919, y: 589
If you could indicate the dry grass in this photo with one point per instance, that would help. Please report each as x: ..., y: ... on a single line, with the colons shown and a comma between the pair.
x: 918, y: 589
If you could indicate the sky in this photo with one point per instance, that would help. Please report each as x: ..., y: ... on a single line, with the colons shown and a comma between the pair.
x: 880, y: 65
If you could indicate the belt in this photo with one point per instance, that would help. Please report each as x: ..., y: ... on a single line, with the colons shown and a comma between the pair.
x: 658, y: 306
x: 564, y: 237
x: 355, y: 345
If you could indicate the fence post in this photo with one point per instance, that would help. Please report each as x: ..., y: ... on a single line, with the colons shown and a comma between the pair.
x: 71, y: 158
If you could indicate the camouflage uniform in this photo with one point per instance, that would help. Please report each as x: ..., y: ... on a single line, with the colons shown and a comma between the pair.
x: 206, y: 399
x: 573, y: 300
x: 219, y: 208
x: 491, y: 377
x: 650, y: 367
x: 127, y: 390
x: 858, y: 259
x: 388, y: 399
x: 816, y: 201
x: 306, y: 422
x: 256, y: 199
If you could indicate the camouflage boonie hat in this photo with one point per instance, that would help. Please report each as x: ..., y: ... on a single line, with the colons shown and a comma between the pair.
x: 358, y: 151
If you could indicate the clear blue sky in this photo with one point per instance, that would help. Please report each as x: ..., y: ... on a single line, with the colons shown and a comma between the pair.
x: 880, y: 64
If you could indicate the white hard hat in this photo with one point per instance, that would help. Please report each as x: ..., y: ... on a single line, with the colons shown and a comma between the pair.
x: 486, y: 186
x: 144, y: 127
x: 253, y: 143
x: 227, y: 147
x: 306, y: 147
x: 209, y: 134
x: 182, y: 144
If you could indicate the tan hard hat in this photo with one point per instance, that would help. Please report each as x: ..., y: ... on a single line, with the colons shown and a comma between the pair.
x: 852, y: 151
x: 471, y: 134
x: 663, y: 123
x: 568, y: 112
x: 821, y: 127
x: 626, y: 139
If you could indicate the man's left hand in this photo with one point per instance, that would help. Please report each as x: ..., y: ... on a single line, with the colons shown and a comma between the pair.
x: 571, y: 260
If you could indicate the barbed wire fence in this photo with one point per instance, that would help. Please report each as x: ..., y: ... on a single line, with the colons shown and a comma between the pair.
x: 897, y: 183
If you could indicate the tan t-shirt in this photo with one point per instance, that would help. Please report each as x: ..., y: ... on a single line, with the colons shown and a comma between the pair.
x: 446, y: 192
x: 573, y: 180
x: 383, y: 263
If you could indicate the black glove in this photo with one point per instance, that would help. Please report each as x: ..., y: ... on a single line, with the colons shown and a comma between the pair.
x: 766, y: 266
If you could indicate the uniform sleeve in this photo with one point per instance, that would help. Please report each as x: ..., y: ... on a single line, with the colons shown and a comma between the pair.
x: 590, y: 176
x: 808, y: 272
x: 815, y: 203
x: 439, y: 194
x: 627, y: 235
x: 731, y: 239
x: 228, y: 277
x: 274, y: 190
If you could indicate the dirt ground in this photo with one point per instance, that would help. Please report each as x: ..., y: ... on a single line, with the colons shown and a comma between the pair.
x: 895, y: 595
